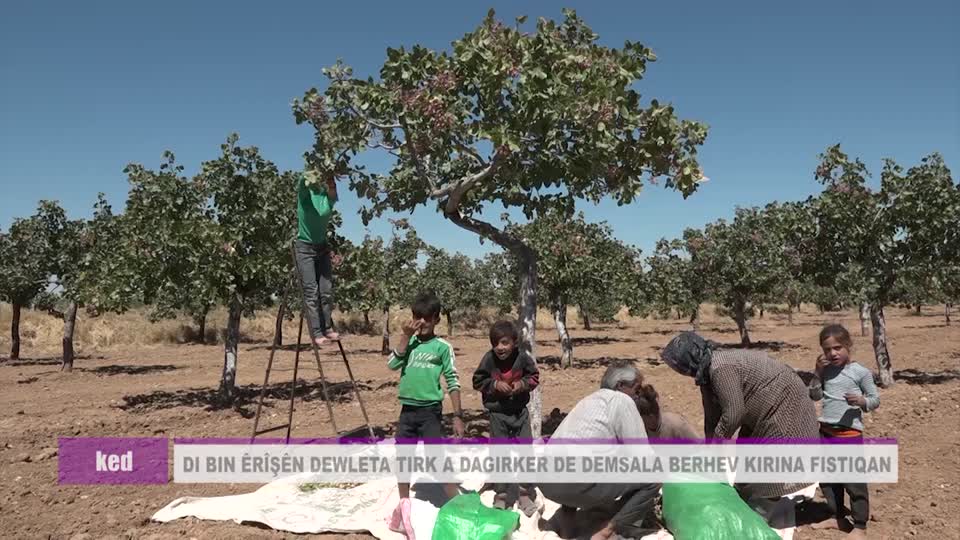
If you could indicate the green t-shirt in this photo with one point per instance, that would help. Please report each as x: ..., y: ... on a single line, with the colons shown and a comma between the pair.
x: 421, y: 367
x: 314, y: 208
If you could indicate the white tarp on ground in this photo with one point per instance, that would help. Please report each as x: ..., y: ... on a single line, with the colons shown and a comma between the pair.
x: 283, y: 506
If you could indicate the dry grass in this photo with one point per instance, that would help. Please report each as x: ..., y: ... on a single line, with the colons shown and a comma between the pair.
x: 42, y: 332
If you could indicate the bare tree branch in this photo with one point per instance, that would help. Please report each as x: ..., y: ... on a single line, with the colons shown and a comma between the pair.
x: 379, y: 124
x: 386, y: 147
x: 466, y: 150
x: 490, y: 232
x: 454, y: 192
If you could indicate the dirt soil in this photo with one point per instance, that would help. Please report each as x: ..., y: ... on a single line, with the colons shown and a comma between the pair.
x: 169, y: 391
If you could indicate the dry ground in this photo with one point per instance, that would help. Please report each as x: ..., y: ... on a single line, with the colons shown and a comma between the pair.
x: 127, y: 384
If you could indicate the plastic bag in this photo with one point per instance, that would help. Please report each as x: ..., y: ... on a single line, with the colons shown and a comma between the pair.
x: 466, y: 518
x: 711, y: 512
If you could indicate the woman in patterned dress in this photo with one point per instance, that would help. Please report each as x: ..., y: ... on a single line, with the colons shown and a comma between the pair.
x: 750, y: 392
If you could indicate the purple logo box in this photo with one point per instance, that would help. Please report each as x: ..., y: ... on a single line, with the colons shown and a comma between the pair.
x: 134, y: 460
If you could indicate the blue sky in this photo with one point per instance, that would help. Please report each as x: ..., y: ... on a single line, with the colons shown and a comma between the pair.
x: 87, y: 87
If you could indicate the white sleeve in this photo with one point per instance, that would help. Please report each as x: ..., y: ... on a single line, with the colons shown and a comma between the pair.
x: 627, y: 421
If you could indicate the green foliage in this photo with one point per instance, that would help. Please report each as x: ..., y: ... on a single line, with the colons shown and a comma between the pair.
x: 915, y: 288
x: 94, y: 269
x: 223, y: 236
x: 581, y: 263
x: 506, y: 115
x: 170, y: 240
x: 249, y: 206
x: 742, y: 261
x: 672, y: 282
x: 498, y: 281
x: 866, y: 238
x: 29, y: 253
x: 795, y: 224
x: 375, y: 276
x: 455, y: 279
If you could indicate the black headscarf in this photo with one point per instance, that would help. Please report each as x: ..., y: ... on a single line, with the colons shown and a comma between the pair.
x: 689, y: 354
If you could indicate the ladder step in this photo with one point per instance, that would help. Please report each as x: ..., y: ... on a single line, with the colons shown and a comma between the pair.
x: 268, y: 430
x: 286, y: 370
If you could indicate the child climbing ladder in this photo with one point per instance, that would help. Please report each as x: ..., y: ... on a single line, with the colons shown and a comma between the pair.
x: 315, y: 200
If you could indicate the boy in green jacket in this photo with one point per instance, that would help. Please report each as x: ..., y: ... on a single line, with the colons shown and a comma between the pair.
x: 423, y: 359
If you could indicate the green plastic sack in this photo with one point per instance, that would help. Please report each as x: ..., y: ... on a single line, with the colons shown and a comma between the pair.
x: 464, y: 517
x: 711, y: 512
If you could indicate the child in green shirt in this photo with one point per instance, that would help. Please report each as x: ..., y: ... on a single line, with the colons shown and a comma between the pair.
x: 423, y: 359
x: 314, y: 208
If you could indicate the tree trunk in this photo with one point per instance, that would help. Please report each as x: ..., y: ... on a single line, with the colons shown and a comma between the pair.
x: 864, y: 317
x: 884, y: 364
x: 228, y: 379
x: 528, y: 331
x: 449, y: 325
x: 566, y: 346
x: 761, y: 312
x: 528, y: 295
x: 278, y: 325
x: 366, y: 318
x: 385, y: 347
x: 15, y: 332
x: 790, y: 314
x: 585, y: 316
x: 201, y: 322
x: 740, y: 316
x: 918, y: 311
x: 69, y: 324
x: 946, y: 312
x: 695, y: 319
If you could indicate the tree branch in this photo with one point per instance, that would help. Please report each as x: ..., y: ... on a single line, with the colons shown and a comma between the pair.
x: 466, y: 150
x: 411, y: 145
x: 386, y: 147
x: 454, y: 192
x: 379, y: 124
x: 490, y: 232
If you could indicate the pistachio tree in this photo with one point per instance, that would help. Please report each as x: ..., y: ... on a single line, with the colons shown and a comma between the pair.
x: 376, y: 275
x: 869, y: 236
x: 28, y: 253
x: 531, y: 120
x: 224, y: 235
x: 454, y: 278
x: 498, y: 282
x: 742, y: 262
x: 171, y: 242
x: 672, y: 282
x: 579, y: 263
x: 252, y: 208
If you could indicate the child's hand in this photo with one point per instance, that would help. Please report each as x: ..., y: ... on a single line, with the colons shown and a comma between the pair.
x: 822, y: 362
x: 517, y: 388
x: 411, y: 327
x: 502, y: 387
x: 856, y: 399
x: 459, y: 428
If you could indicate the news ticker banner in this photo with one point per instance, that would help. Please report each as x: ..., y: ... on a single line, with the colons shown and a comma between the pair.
x: 146, y: 461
